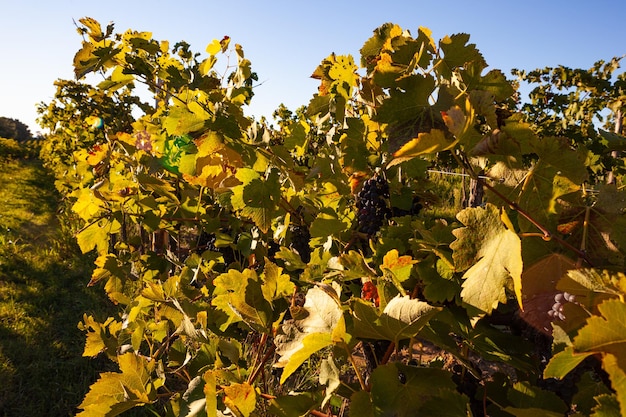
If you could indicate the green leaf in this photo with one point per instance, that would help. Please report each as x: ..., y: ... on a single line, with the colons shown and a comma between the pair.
x: 588, y: 389
x: 558, y: 153
x: 361, y: 405
x: 257, y: 198
x: 193, y: 400
x: 495, y: 82
x: 457, y: 52
x: 530, y: 401
x: 326, y: 224
x: 605, y: 333
x: 608, y: 406
x: 613, y: 141
x: 615, y: 368
x: 496, y: 252
x: 400, y: 390
x: 275, y: 284
x: 415, y: 89
x: 563, y: 362
x: 401, y: 319
x: 294, y: 404
x: 613, y: 283
x: 181, y: 121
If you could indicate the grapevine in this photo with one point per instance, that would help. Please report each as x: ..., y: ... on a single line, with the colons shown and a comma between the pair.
x: 228, y: 244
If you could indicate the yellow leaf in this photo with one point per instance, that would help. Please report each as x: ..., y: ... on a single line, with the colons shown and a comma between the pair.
x: 424, y: 143
x: 240, y: 397
x: 210, y: 393
x: 400, y: 266
x: 214, y: 47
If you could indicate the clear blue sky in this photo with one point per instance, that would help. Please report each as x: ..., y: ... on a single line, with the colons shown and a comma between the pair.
x: 286, y: 40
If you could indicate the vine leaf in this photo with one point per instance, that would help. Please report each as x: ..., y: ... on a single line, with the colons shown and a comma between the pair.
x: 495, y: 252
x: 458, y: 52
x: 210, y: 393
x: 194, y: 400
x: 87, y: 204
x: 294, y: 404
x: 257, y: 197
x: 401, y: 319
x: 100, y: 337
x: 275, y: 283
x: 399, y: 266
x: 600, y: 229
x: 110, y: 268
x: 181, y: 121
x: 240, y: 296
x: 563, y: 362
x: 240, y: 398
x: 116, y: 392
x: 402, y: 391
x: 618, y: 379
x: 96, y: 236
x: 329, y: 376
x: 424, y: 143
x: 605, y: 282
x: 605, y: 333
x: 300, y: 338
x: 310, y: 344
x: 531, y: 401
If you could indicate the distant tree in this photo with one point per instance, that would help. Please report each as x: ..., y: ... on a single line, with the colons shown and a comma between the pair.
x: 585, y: 105
x: 14, y: 129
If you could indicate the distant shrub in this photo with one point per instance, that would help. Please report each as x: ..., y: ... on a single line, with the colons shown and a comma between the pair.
x: 10, y: 148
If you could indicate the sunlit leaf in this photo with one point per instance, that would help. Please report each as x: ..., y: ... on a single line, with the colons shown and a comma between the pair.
x: 494, y: 253
x: 116, y: 392
x: 605, y: 333
x: 401, y: 319
x: 563, y: 362
x: 240, y: 398
x: 321, y: 315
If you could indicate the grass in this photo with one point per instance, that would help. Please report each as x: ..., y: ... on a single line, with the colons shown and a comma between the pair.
x: 43, y: 296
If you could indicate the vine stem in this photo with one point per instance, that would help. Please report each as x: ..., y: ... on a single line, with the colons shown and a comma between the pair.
x: 264, y: 360
x: 390, y: 349
x: 356, y: 369
x: 547, y: 235
x: 320, y: 414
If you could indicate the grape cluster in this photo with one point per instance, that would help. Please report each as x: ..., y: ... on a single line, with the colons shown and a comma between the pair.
x: 559, y: 300
x: 300, y: 237
x: 372, y: 206
x: 206, y: 241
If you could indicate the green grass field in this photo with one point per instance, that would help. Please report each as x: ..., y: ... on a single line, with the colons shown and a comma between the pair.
x: 43, y: 296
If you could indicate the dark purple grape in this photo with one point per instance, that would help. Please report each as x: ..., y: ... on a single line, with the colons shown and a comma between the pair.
x: 372, y: 205
x: 300, y: 239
